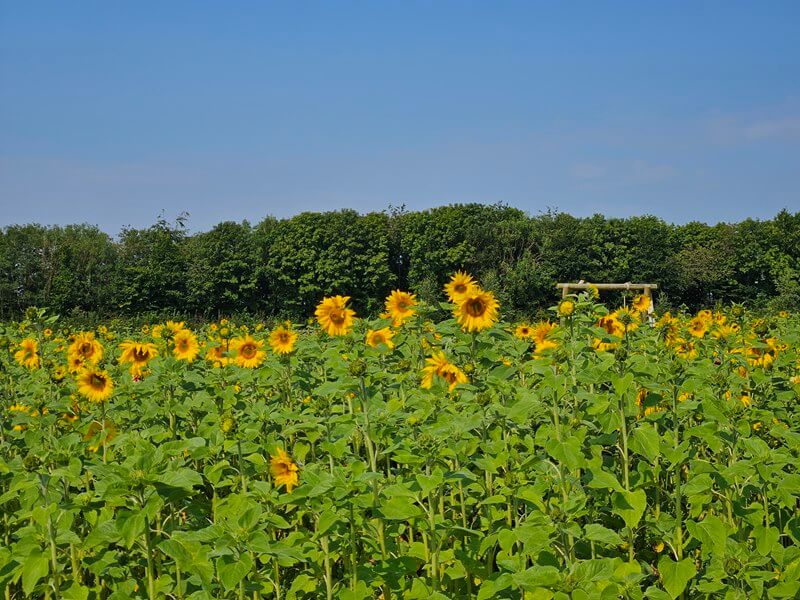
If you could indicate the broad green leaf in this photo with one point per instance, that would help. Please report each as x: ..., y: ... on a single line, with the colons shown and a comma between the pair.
x: 603, y: 535
x: 675, y: 575
x: 630, y: 506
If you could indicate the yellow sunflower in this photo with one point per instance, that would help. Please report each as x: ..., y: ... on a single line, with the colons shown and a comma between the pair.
x: 523, y: 331
x: 541, y: 337
x: 460, y: 285
x: 566, y: 308
x: 248, y: 352
x: 216, y: 355
x: 641, y: 303
x: 95, y: 385
x: 88, y: 349
x: 28, y: 354
x: 438, y: 365
x: 137, y: 353
x: 185, y: 346
x: 477, y: 310
x: 698, y: 326
x: 175, y: 326
x: 282, y: 339
x: 376, y: 337
x: 284, y: 470
x: 400, y: 306
x: 334, y: 316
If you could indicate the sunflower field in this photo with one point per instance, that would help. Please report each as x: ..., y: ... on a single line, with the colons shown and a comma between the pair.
x: 599, y: 454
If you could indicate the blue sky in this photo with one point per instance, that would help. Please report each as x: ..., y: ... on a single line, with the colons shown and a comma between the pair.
x: 111, y: 112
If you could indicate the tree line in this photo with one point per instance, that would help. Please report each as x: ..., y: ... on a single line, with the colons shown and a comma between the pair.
x: 283, y: 267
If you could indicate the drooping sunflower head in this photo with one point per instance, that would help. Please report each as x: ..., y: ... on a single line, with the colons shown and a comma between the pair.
x: 282, y: 339
x: 95, y: 385
x: 377, y: 337
x: 438, y: 366
x: 185, y: 346
x: 28, y: 353
x: 137, y: 353
x: 284, y: 470
x: 460, y: 285
x: 400, y: 306
x: 477, y: 310
x: 334, y: 316
x: 86, y: 347
x: 248, y: 352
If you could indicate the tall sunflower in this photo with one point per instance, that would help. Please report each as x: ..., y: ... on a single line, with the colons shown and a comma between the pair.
x: 95, y: 385
x: 185, y: 346
x: 28, y: 353
x: 523, y: 331
x: 377, y: 337
x: 248, y: 352
x: 84, y: 346
x: 460, y: 285
x: 284, y: 470
x: 400, y: 306
x: 477, y: 310
x: 334, y: 316
x: 282, y: 339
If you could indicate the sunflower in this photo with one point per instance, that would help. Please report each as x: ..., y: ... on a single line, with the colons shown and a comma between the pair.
x: 284, y: 470
x: 698, y: 326
x: 376, y: 337
x: 438, y: 365
x: 541, y: 335
x: 216, y: 355
x: 334, y: 316
x: 282, y: 339
x: 477, y: 310
x: 685, y: 350
x: 28, y: 354
x: 136, y: 353
x: 175, y: 326
x: 185, y: 346
x: 400, y: 306
x: 460, y: 285
x: 641, y: 303
x: 74, y: 363
x: 523, y: 331
x: 95, y: 385
x: 248, y: 352
x: 59, y: 373
x: 566, y: 308
x: 86, y: 347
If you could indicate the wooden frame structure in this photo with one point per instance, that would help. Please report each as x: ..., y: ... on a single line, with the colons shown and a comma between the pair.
x: 646, y: 288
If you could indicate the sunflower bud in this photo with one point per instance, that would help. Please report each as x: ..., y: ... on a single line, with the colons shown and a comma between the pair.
x: 357, y: 368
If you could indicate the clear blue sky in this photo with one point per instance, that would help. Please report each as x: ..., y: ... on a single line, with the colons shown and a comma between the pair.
x: 113, y: 111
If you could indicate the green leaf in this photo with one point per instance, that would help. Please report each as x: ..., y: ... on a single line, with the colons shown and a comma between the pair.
x: 646, y: 441
x: 400, y: 508
x: 604, y: 480
x: 35, y: 567
x: 231, y: 571
x: 675, y: 575
x: 603, y: 535
x: 630, y: 506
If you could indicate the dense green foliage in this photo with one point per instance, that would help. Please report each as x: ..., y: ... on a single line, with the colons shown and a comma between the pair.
x: 663, y: 468
x: 281, y: 267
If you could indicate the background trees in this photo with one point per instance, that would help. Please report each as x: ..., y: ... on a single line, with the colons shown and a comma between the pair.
x: 282, y: 267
